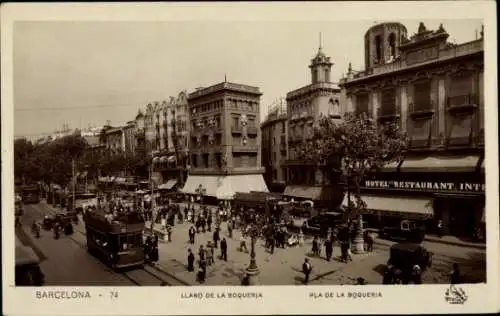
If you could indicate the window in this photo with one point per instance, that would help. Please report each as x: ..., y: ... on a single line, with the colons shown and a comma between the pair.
x: 422, y: 96
x: 362, y: 104
x: 275, y: 174
x: 236, y: 121
x: 460, y: 90
x: 283, y: 127
x: 388, y: 102
x: 205, y: 161
x: 392, y: 45
x: 194, y: 161
x: 378, y: 49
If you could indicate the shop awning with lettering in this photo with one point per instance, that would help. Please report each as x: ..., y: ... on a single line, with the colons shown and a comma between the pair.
x: 391, y: 167
x: 440, y: 164
x: 313, y: 193
x: 411, y: 208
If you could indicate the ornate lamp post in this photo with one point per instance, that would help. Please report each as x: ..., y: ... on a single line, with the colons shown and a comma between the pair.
x: 201, y: 191
x: 252, y: 269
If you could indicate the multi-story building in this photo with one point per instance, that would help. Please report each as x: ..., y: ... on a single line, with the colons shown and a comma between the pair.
x: 114, y: 139
x: 274, y: 146
x: 224, y: 145
x: 166, y: 137
x: 305, y: 106
x: 435, y: 90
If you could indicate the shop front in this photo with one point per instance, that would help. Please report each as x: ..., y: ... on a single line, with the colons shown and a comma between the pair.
x: 455, y: 198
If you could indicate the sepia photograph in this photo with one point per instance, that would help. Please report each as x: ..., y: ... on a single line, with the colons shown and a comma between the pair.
x: 213, y: 154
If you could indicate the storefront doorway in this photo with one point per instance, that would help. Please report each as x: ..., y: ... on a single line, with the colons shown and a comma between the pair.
x: 460, y: 215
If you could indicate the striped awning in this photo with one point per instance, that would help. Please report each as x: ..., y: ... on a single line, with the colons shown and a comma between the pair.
x: 440, y: 163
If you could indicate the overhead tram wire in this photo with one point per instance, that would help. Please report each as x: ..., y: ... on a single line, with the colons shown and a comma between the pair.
x: 73, y: 107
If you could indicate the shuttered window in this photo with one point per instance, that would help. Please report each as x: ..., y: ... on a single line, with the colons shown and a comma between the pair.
x: 388, y: 101
x: 422, y: 96
x: 362, y: 103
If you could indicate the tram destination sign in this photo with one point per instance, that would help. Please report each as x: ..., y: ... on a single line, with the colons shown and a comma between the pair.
x: 426, y: 186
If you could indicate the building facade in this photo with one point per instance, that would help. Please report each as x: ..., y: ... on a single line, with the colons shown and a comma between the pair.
x: 305, y: 106
x: 224, y: 144
x: 435, y: 90
x: 274, y: 146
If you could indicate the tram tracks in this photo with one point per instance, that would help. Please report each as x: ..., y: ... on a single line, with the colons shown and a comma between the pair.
x: 146, y: 275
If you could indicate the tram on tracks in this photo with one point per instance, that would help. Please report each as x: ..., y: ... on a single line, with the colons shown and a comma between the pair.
x: 116, y: 240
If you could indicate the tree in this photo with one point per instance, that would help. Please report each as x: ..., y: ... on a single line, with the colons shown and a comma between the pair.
x: 354, y: 147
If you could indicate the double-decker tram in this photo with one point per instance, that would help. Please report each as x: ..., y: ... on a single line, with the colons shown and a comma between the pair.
x: 116, y: 239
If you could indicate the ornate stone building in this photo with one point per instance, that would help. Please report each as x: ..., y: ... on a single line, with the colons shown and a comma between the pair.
x: 166, y: 138
x: 274, y: 146
x: 435, y: 90
x: 305, y: 106
x: 224, y: 145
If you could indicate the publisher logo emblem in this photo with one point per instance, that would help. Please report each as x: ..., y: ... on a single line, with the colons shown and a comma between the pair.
x: 455, y: 295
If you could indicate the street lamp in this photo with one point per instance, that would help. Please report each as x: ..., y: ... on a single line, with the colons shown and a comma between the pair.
x: 252, y: 270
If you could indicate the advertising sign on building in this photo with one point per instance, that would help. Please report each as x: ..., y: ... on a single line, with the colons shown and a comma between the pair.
x: 428, y: 186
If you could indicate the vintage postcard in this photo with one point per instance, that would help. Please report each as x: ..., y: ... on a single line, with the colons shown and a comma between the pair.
x: 250, y: 158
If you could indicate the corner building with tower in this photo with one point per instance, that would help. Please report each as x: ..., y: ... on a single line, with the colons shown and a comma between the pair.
x: 434, y: 90
x: 225, y: 138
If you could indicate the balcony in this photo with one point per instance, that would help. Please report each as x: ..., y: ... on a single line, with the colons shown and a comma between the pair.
x: 236, y: 129
x: 252, y: 130
x: 462, y: 104
x: 421, y: 110
x: 387, y: 113
x: 245, y: 149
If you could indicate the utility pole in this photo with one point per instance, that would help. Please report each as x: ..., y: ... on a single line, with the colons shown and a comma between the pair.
x: 74, y: 184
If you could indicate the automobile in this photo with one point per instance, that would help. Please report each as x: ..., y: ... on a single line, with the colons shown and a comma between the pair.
x: 406, y: 230
x: 320, y: 224
x: 48, y: 222
x: 404, y: 256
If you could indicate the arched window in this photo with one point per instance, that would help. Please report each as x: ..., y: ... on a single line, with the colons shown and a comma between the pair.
x: 392, y: 44
x: 378, y: 48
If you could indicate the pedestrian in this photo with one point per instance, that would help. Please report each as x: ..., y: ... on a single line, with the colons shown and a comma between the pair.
x: 186, y: 212
x: 192, y: 233
x: 203, y: 224
x: 306, y: 269
x: 328, y: 249
x: 169, y: 233
x: 440, y: 228
x: 230, y: 229
x: 209, y: 222
x: 223, y: 249
x: 349, y: 252
x: 216, y: 237
x: 210, y: 253
x: 315, y: 246
x: 455, y: 274
x: 243, y: 244
x: 202, y: 271
x: 344, y: 245
x: 369, y: 241
x: 201, y: 253
x: 417, y: 274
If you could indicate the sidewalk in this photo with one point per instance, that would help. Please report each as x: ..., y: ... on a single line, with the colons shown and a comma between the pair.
x: 447, y: 240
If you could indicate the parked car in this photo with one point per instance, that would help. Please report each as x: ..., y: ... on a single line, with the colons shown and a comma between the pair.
x: 321, y: 223
x: 406, y: 230
x: 404, y: 257
x: 48, y: 222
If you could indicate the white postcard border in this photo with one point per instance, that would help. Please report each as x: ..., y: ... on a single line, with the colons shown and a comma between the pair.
x: 269, y: 299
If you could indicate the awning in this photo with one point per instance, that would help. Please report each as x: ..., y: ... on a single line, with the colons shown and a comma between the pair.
x: 120, y: 180
x: 171, y: 158
x: 224, y: 187
x: 418, y: 208
x: 440, y: 163
x: 156, y: 159
x: 163, y: 159
x: 168, y: 185
x: 391, y: 167
x: 314, y: 193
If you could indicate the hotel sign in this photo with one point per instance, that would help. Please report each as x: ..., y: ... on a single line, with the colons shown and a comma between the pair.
x: 429, y: 186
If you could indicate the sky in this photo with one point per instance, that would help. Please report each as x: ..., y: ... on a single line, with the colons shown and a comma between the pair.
x: 87, y: 72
